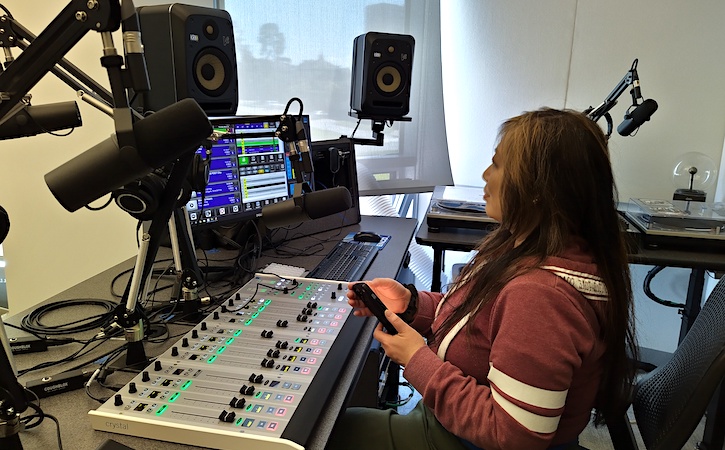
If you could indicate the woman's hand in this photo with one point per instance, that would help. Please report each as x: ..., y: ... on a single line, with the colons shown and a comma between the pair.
x: 400, y: 347
x: 394, y: 295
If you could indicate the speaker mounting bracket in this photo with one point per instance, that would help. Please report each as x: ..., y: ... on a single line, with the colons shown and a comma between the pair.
x: 377, y: 125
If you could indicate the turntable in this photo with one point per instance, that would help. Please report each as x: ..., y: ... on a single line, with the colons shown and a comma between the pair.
x: 669, y: 222
x: 458, y: 207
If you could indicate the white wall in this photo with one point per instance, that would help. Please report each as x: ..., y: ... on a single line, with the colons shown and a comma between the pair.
x: 502, y: 57
x: 49, y: 249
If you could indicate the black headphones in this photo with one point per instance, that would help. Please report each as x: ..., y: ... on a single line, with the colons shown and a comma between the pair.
x: 199, y: 175
x: 141, y: 198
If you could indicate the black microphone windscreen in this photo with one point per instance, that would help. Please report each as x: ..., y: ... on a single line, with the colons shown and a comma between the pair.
x: 160, y: 139
x: 313, y: 205
x: 282, y: 214
x: 33, y: 120
x: 637, y: 117
x: 327, y: 202
x: 172, y: 131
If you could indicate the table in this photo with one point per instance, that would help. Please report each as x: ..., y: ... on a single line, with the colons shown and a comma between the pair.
x: 71, y: 407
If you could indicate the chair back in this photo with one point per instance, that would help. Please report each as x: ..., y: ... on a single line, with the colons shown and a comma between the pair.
x: 670, y: 401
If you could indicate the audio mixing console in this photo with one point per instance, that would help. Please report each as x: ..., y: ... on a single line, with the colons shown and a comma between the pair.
x: 256, y: 373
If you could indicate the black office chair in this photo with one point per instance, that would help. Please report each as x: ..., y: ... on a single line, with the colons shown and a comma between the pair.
x: 670, y: 401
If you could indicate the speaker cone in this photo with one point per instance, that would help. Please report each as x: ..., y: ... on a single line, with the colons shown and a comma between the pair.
x: 388, y: 80
x: 212, y: 72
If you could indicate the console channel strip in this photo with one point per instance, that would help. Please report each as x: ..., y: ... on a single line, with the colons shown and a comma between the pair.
x: 256, y: 373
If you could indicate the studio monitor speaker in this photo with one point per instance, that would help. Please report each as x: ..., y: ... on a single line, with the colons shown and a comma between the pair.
x: 382, y: 67
x: 189, y: 53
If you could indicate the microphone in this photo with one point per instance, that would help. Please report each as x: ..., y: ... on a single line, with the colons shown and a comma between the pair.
x: 636, y: 90
x: 637, y: 117
x: 160, y: 138
x: 32, y: 120
x: 309, y: 206
x: 133, y: 48
x: 304, y: 146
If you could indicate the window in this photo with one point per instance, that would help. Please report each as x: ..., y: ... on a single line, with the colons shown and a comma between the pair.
x: 291, y: 49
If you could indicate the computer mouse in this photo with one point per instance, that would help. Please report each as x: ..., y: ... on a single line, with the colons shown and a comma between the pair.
x: 366, y: 236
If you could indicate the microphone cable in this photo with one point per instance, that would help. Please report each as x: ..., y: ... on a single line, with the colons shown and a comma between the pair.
x: 33, y: 322
x: 648, y: 291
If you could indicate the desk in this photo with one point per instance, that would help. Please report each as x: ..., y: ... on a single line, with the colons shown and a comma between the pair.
x: 71, y: 408
x: 698, y: 262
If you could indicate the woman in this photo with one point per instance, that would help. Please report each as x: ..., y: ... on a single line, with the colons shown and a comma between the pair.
x: 536, y: 331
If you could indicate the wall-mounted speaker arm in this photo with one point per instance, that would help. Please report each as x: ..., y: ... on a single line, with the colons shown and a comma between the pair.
x: 377, y: 125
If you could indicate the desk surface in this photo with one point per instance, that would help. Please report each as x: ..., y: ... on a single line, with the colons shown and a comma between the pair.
x: 71, y: 408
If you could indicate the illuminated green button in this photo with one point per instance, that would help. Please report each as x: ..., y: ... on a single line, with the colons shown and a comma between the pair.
x: 174, y: 397
x: 161, y: 410
x: 186, y: 385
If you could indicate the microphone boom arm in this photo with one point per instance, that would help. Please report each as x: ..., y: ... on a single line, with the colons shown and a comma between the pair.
x: 54, y: 42
x: 64, y: 70
x: 603, y: 109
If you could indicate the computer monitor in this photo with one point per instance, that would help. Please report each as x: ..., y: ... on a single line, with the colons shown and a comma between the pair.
x: 334, y: 163
x: 248, y: 170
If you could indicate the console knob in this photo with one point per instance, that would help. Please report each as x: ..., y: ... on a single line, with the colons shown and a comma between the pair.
x: 174, y: 351
x: 194, y: 334
x: 216, y: 315
x: 117, y: 400
x: 145, y: 376
x: 132, y: 388
x: 185, y: 342
x: 157, y: 365
x: 203, y: 326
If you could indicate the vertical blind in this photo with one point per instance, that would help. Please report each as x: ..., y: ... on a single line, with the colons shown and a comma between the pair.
x: 303, y: 49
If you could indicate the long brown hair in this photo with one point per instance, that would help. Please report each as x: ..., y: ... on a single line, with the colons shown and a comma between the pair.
x: 558, y: 183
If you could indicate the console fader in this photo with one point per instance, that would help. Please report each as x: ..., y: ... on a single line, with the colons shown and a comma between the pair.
x: 256, y: 373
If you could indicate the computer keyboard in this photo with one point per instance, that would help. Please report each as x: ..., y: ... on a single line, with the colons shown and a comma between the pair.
x: 348, y: 261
